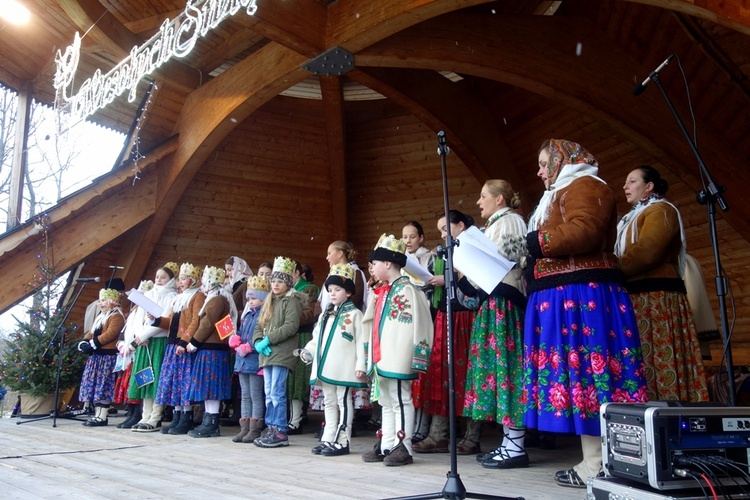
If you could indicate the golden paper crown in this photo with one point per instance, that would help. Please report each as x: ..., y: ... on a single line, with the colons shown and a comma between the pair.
x: 284, y: 265
x: 146, y: 285
x: 258, y: 283
x: 109, y: 294
x: 390, y: 242
x: 345, y: 271
x: 213, y: 276
x: 174, y: 267
x: 191, y: 271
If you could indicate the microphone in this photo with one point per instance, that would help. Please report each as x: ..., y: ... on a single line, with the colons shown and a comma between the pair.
x: 641, y: 87
x: 88, y: 280
x: 115, y: 267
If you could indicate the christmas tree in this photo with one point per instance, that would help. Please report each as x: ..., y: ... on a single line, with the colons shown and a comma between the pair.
x: 33, y: 353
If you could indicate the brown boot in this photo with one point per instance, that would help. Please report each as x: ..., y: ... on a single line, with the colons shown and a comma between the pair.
x: 437, y: 440
x: 254, y: 430
x: 374, y: 455
x: 469, y: 445
x: 398, y: 456
x: 244, y: 429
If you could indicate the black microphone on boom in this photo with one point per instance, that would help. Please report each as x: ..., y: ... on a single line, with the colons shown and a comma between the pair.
x: 87, y: 280
x: 641, y: 87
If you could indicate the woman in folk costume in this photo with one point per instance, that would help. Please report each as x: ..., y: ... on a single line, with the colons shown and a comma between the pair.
x: 211, y: 378
x: 98, y: 380
x: 435, y: 381
x: 126, y: 347
x: 298, y: 382
x: 337, y: 353
x: 275, y: 338
x: 398, y: 325
x: 247, y: 363
x: 152, y: 343
x: 177, y: 367
x: 651, y: 248
x: 238, y: 271
x: 581, y: 336
x: 494, y: 377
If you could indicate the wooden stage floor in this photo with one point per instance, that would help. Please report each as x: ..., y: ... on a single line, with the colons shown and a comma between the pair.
x: 38, y: 460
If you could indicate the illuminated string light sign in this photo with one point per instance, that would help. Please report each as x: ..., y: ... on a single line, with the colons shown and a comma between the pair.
x: 175, y: 38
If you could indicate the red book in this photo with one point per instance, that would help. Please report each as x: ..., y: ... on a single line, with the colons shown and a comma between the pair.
x: 225, y: 327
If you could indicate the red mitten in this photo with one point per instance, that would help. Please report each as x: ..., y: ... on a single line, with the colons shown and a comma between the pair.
x: 244, y: 349
x: 235, y: 341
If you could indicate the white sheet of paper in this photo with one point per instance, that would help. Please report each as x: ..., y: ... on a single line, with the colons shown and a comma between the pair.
x: 415, y: 271
x: 147, y: 304
x: 477, y: 257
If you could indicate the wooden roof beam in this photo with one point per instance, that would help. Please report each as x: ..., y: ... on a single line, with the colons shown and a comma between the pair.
x: 733, y: 15
x: 101, y: 25
x: 299, y: 25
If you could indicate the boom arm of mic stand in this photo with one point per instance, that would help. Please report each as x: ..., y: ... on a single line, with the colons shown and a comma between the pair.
x: 710, y: 198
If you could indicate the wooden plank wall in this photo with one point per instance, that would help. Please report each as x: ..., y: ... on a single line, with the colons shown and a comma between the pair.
x: 394, y: 176
x: 264, y: 192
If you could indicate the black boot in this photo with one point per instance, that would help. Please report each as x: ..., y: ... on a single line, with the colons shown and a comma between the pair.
x: 209, y: 427
x: 132, y: 417
x: 176, y: 417
x: 185, y: 425
x: 128, y: 414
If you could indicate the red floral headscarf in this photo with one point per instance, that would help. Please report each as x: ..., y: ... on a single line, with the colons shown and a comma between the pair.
x: 563, y: 152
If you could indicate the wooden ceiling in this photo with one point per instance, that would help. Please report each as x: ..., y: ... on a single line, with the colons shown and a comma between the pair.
x: 230, y: 159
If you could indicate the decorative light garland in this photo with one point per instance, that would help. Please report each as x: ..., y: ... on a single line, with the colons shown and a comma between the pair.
x: 175, y: 38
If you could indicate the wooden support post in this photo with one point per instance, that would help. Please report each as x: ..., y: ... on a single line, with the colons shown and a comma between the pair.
x: 333, y: 105
x: 23, y: 119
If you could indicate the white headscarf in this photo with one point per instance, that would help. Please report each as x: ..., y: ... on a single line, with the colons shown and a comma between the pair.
x: 568, y: 174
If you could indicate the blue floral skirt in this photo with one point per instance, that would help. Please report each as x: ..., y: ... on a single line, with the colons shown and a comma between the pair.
x: 98, y: 380
x: 174, y: 380
x: 211, y: 377
x: 582, y: 349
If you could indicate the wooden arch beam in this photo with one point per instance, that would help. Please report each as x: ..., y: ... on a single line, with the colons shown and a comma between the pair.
x: 468, y: 46
x: 732, y: 15
x: 443, y: 105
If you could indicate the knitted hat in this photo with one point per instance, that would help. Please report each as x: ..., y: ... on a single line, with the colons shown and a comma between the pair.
x: 109, y: 294
x: 191, y: 271
x: 213, y: 278
x: 172, y: 269
x: 283, y: 269
x: 389, y: 249
x: 257, y: 287
x: 341, y: 275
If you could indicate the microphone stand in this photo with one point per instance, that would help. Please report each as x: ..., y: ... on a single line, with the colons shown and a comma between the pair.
x: 59, y: 332
x: 710, y: 196
x: 454, y: 487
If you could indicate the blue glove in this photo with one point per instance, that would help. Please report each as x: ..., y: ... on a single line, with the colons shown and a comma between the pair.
x: 263, y: 346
